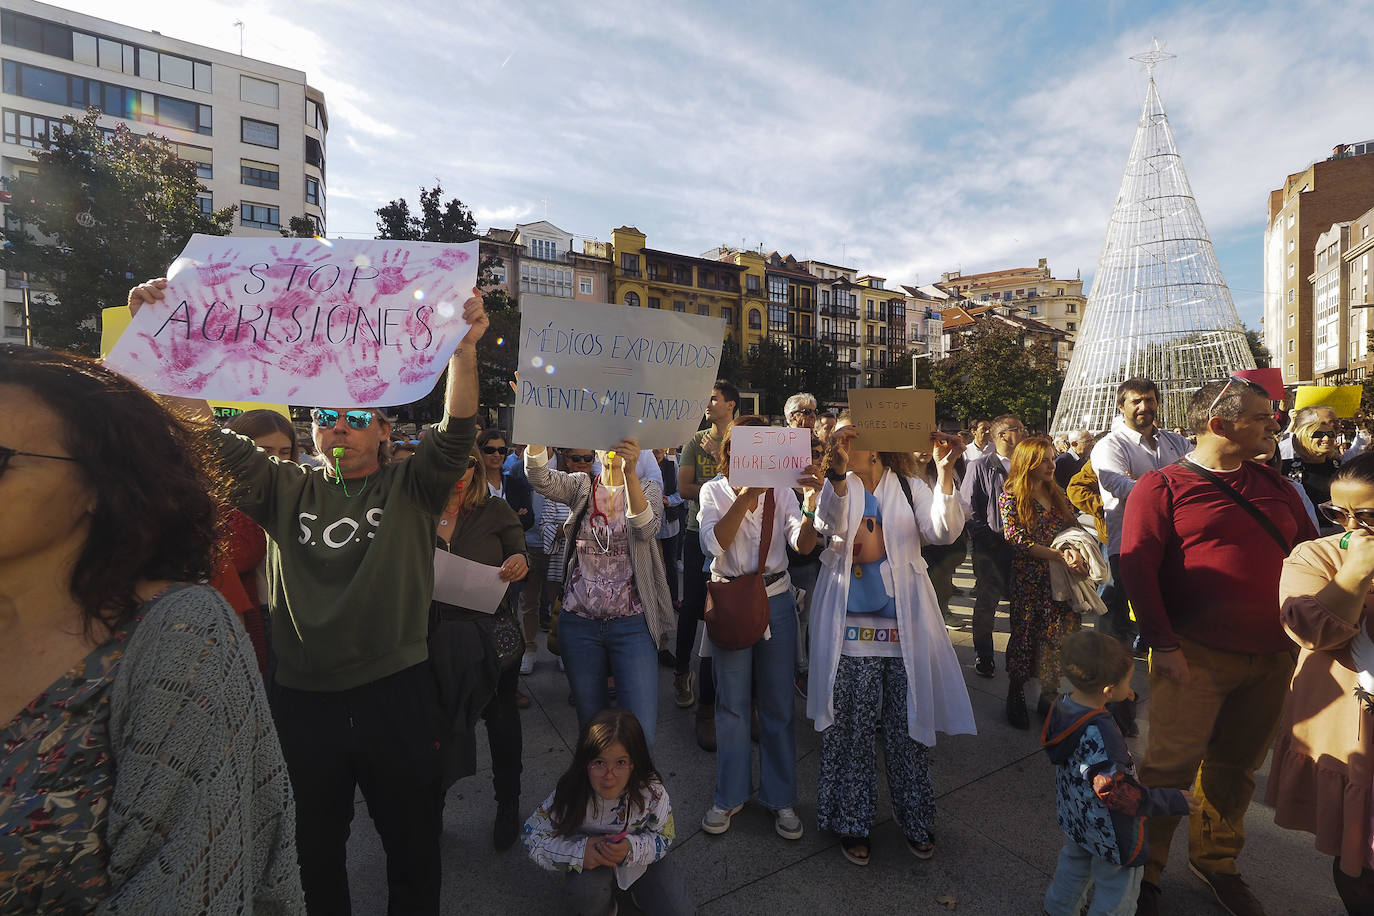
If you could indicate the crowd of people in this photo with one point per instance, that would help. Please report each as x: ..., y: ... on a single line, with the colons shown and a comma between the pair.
x: 211, y: 645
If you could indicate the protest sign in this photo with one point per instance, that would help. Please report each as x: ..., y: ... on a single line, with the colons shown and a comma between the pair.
x: 466, y: 583
x: 1271, y: 380
x: 1343, y: 399
x: 893, y: 419
x: 114, y: 321
x: 592, y: 374
x: 768, y: 456
x: 302, y: 321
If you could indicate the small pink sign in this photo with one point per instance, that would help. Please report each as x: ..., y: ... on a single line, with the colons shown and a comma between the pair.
x: 302, y: 321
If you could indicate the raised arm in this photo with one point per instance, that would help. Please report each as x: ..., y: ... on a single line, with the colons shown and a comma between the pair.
x: 462, y: 390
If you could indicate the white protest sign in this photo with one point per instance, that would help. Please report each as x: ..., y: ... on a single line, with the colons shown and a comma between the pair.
x: 465, y: 583
x: 592, y: 374
x: 302, y: 321
x: 768, y: 456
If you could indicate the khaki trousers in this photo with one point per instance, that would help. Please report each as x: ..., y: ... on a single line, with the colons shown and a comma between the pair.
x: 1211, y: 735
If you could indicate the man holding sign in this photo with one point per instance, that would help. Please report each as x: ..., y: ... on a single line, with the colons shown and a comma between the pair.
x: 350, y: 570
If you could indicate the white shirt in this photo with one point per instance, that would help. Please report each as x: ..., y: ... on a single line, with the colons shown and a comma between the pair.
x: 1006, y: 462
x: 498, y: 492
x: 742, y: 556
x: 973, y: 452
x: 1120, y: 458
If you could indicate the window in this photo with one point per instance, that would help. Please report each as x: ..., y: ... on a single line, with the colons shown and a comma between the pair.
x: 703, y: 308
x: 264, y: 175
x: 751, y: 283
x: 1292, y: 269
x: 1291, y: 245
x: 1034, y: 310
x: 629, y: 264
x: 728, y: 314
x: 584, y: 285
x: 546, y: 281
x: 1290, y: 345
x: 258, y: 133
x: 1292, y: 294
x: 31, y: 130
x: 259, y: 216
x: 655, y: 302
x: 314, y: 116
x: 777, y: 289
x: 1291, y: 218
x: 1290, y: 369
x: 312, y: 191
x: 679, y: 305
x: 59, y: 40
x: 1059, y: 291
x: 1292, y: 320
x: 259, y: 92
x: 632, y: 300
x: 543, y: 249
x: 36, y: 35
x: 201, y: 156
x: 777, y: 317
x: 205, y: 203
x: 755, y: 319
x: 1071, y: 308
x: 119, y: 101
x: 1071, y: 325
x: 314, y: 153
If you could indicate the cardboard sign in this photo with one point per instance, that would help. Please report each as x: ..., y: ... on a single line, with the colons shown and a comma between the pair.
x: 592, y: 374
x: 302, y: 321
x: 1343, y: 399
x: 768, y: 456
x: 113, y: 323
x: 893, y: 419
x: 1271, y: 380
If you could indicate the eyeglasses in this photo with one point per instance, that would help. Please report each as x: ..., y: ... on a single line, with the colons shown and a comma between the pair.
x: 326, y: 419
x: 805, y: 412
x: 1363, y: 517
x: 1323, y: 434
x: 602, y: 767
x: 494, y: 450
x: 581, y: 459
x: 7, y: 453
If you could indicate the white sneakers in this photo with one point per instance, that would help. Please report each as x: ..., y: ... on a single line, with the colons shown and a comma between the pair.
x: 788, y: 825
x: 717, y: 820
x: 527, y: 663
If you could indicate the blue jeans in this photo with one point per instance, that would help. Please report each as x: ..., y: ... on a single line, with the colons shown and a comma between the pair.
x: 768, y: 664
x: 1115, y: 888
x: 620, y: 647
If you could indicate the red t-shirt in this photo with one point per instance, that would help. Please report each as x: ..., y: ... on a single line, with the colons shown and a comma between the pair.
x: 1196, y: 564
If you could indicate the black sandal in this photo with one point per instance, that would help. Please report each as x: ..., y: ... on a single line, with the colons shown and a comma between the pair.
x: 851, y: 846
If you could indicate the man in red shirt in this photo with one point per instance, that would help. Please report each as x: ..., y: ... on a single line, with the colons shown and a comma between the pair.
x: 1202, y: 571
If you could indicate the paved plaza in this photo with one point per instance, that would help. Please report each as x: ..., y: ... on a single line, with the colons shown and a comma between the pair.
x: 997, y: 839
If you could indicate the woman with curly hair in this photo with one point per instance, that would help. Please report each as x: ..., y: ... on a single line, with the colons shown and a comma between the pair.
x: 142, y: 772
x: 1034, y: 509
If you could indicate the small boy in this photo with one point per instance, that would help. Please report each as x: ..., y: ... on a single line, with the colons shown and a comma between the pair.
x: 1101, y: 806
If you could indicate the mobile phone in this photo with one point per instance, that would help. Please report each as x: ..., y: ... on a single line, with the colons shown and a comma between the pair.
x: 617, y: 837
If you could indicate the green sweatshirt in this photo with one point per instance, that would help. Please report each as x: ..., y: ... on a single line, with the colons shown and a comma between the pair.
x: 349, y: 577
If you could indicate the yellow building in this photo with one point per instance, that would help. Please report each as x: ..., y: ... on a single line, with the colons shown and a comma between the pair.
x: 882, y: 319
x: 643, y: 277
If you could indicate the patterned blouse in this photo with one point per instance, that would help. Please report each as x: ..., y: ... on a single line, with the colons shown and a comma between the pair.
x: 56, y: 776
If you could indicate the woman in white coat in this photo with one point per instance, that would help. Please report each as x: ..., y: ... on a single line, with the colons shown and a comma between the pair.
x: 879, y: 651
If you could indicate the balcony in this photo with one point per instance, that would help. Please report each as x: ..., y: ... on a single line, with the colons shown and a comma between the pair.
x: 837, y: 310
x: 633, y: 272
x: 840, y: 337
x: 753, y: 292
x: 560, y: 257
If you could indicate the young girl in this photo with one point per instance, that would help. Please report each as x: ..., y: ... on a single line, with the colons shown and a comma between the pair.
x: 1102, y: 808
x: 609, y: 825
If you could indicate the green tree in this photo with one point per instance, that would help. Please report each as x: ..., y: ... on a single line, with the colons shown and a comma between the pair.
x: 103, y: 210
x: 768, y: 371
x: 814, y: 370
x: 1257, y: 348
x: 300, y: 227
x: 731, y: 363
x: 499, y: 352
x: 995, y: 372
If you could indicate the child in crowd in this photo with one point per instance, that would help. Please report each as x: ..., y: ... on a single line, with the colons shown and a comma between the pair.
x: 608, y: 825
x: 1101, y: 806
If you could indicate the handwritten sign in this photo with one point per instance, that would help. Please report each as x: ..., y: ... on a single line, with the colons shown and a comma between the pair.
x: 468, y: 584
x: 592, y: 374
x: 893, y: 419
x: 768, y: 456
x: 114, y: 322
x: 1343, y: 399
x: 302, y: 321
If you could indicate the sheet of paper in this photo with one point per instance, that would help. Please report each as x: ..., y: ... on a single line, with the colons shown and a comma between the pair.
x: 768, y: 456
x: 592, y: 374
x: 1343, y: 399
x: 893, y: 419
x: 333, y: 323
x: 464, y: 583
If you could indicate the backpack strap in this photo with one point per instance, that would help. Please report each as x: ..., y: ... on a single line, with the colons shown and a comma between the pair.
x: 1235, y: 496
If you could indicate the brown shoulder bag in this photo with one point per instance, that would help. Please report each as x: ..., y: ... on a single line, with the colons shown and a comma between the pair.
x: 737, y: 611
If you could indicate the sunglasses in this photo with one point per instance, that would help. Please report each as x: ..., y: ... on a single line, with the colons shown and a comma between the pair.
x: 7, y: 453
x: 325, y: 418
x: 1363, y: 517
x: 1323, y: 434
x: 581, y: 459
x: 494, y: 449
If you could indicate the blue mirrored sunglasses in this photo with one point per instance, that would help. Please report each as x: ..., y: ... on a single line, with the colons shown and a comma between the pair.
x: 326, y: 418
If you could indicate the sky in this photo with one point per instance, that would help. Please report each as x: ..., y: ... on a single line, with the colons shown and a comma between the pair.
x: 902, y: 139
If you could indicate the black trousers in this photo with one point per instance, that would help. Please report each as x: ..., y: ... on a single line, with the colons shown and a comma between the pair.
x: 693, y: 609
x: 382, y: 737
x: 504, y: 736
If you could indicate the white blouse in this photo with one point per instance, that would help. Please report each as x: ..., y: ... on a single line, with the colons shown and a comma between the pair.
x: 742, y: 556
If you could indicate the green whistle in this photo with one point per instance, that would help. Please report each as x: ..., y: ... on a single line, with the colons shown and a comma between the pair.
x: 1345, y: 541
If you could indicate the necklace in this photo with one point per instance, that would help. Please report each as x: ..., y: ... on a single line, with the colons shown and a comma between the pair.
x: 344, y: 483
x: 605, y: 525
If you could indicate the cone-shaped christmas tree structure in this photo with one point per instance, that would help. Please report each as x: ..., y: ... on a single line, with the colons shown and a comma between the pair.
x: 1159, y: 307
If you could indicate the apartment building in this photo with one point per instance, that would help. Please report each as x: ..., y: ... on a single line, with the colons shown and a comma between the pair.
x: 541, y: 258
x: 1334, y: 190
x: 837, y: 308
x: 1032, y: 291
x: 883, y: 325
x: 256, y: 130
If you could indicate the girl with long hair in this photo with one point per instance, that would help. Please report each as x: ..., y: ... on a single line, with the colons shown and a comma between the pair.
x: 1034, y: 509
x: 608, y: 825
